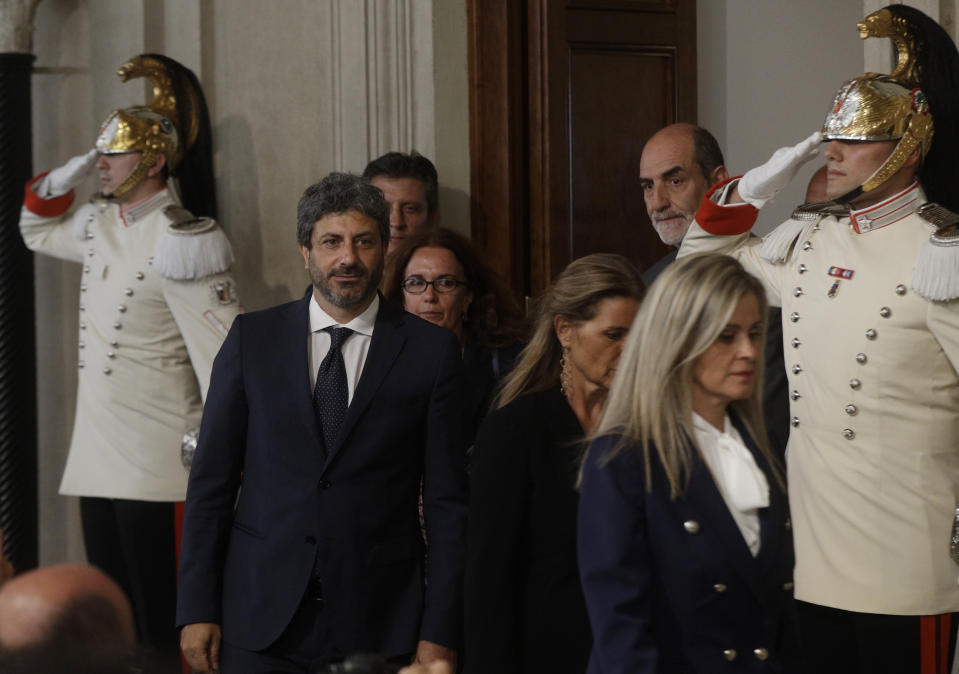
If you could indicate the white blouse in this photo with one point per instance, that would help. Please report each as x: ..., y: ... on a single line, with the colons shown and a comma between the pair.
x: 742, y: 484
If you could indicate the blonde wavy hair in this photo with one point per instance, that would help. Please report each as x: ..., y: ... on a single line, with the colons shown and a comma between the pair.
x: 650, y: 399
x: 576, y: 294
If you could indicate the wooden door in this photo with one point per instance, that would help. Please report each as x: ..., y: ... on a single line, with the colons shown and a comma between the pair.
x: 564, y: 94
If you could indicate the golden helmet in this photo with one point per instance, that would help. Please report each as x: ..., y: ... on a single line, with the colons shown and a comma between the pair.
x: 139, y: 129
x: 156, y: 128
x: 873, y: 107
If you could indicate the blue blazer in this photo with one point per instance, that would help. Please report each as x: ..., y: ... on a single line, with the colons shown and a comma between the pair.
x: 671, y: 585
x: 262, y: 506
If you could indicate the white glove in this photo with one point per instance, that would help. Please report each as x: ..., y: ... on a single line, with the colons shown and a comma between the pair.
x: 63, y: 179
x: 761, y: 184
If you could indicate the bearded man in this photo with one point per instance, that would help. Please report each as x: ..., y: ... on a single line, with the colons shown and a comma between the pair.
x: 301, y: 541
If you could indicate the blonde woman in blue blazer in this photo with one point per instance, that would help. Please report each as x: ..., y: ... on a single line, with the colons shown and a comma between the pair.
x: 684, y: 543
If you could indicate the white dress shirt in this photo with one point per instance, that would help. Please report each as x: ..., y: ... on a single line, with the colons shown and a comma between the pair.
x: 354, y: 349
x: 742, y: 484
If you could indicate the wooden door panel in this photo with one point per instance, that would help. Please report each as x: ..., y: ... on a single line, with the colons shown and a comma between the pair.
x: 634, y: 5
x: 592, y: 80
x: 618, y: 97
x: 623, y: 27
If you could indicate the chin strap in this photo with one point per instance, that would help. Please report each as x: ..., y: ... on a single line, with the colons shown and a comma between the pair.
x: 138, y: 174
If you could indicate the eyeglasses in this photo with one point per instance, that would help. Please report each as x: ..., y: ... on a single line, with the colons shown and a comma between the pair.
x: 415, y: 285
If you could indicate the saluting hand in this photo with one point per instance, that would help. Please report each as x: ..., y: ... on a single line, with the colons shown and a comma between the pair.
x: 762, y: 183
x: 64, y: 178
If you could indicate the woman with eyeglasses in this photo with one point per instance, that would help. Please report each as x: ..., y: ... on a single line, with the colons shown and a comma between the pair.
x: 525, y: 611
x: 685, y: 548
x: 438, y: 276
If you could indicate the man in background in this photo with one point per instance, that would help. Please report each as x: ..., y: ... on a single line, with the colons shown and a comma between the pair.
x: 411, y: 188
x: 679, y: 164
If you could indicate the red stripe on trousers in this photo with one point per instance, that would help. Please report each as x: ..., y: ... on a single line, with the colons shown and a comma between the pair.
x: 178, y: 532
x: 934, y: 634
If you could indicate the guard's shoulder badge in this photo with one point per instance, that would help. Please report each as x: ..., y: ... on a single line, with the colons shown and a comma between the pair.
x: 175, y: 213
x: 936, y: 276
x: 940, y: 216
x: 813, y: 211
x: 191, y: 248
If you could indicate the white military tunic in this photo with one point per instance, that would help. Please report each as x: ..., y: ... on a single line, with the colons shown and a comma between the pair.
x: 873, y: 454
x: 146, y: 345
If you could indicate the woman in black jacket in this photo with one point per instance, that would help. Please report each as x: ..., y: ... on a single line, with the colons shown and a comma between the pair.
x: 438, y: 276
x: 524, y: 607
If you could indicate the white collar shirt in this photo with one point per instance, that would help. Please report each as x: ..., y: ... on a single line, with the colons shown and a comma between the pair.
x: 741, y: 483
x: 354, y: 349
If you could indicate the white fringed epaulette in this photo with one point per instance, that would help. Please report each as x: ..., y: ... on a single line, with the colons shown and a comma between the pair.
x: 83, y: 217
x: 936, y: 275
x: 191, y: 248
x: 779, y: 242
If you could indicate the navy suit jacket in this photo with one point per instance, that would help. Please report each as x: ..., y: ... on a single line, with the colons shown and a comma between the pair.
x: 263, y: 507
x: 671, y: 585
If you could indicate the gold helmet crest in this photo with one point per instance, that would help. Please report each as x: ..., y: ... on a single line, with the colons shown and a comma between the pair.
x: 153, y: 129
x: 875, y: 107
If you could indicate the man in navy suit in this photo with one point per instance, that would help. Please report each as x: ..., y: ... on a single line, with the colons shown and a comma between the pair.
x: 301, y: 541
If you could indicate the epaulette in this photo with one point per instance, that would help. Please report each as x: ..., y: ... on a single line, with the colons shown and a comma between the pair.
x: 191, y: 248
x: 936, y: 276
x: 779, y: 242
x: 819, y: 209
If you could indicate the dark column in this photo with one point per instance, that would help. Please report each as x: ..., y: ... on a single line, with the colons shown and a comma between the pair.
x: 18, y: 388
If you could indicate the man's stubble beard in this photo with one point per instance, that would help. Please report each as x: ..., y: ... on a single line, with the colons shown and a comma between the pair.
x: 672, y: 235
x: 351, y: 297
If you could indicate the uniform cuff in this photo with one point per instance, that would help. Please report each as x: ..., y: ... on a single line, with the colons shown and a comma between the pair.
x: 725, y: 220
x: 46, y: 208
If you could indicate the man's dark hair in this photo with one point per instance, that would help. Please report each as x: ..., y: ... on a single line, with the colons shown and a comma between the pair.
x: 708, y: 155
x: 339, y: 193
x: 412, y: 165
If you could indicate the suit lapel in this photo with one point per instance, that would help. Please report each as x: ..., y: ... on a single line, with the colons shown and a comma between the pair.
x: 709, y: 505
x: 296, y: 338
x: 771, y: 530
x: 385, y: 346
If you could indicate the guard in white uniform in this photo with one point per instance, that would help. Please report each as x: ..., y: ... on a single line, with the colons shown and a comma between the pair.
x: 868, y: 286
x: 156, y: 301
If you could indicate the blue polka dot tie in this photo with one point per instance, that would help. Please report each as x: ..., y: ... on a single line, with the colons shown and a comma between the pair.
x: 330, y: 394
